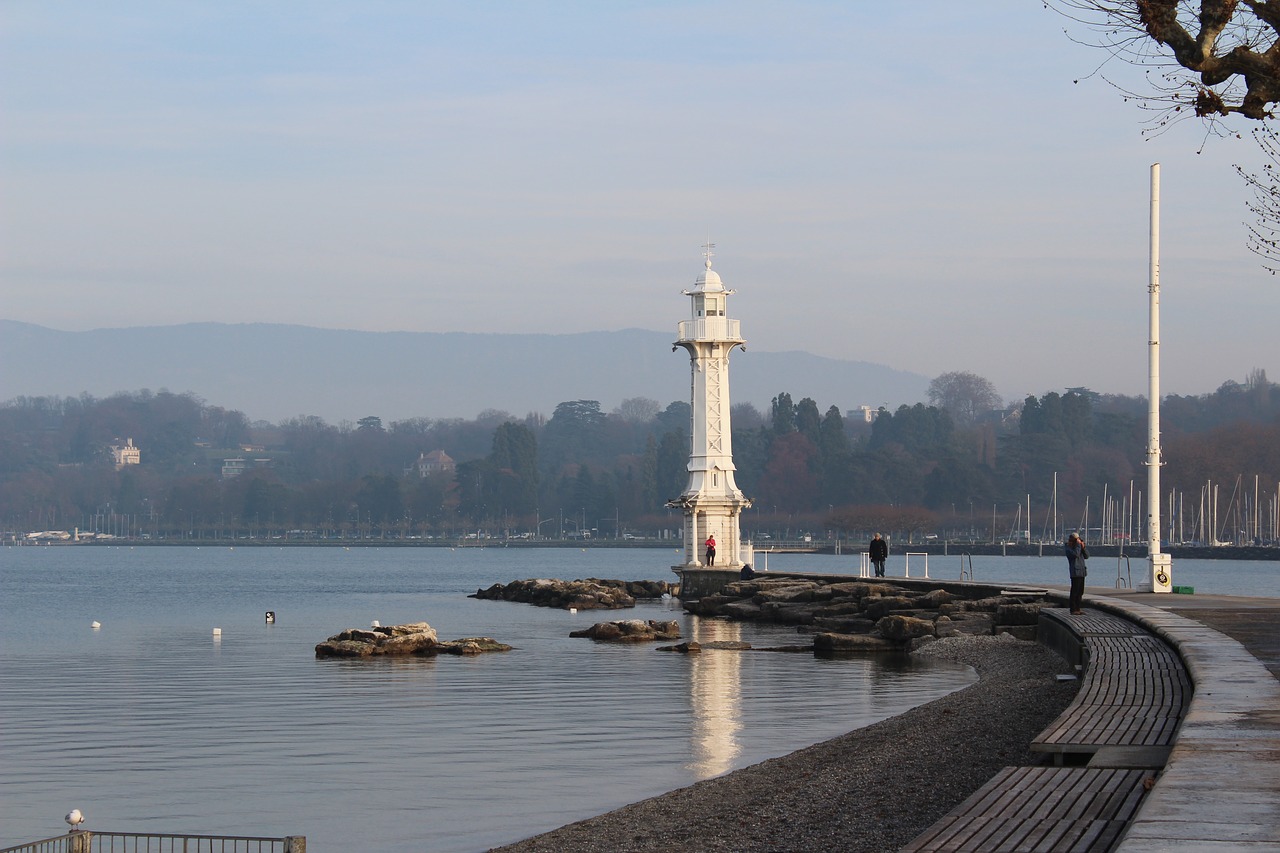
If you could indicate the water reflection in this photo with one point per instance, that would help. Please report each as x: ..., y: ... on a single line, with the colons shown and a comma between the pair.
x: 255, y: 732
x: 715, y: 688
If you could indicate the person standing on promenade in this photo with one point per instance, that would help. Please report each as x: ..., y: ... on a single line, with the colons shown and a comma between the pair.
x: 1076, y: 556
x: 879, y: 553
x: 711, y: 550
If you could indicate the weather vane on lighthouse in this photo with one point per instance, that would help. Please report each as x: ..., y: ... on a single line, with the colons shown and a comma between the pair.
x: 712, y: 502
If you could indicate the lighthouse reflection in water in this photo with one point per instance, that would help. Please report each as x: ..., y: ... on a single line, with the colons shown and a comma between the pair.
x: 715, y: 689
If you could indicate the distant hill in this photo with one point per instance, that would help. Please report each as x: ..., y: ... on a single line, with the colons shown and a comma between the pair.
x: 272, y: 372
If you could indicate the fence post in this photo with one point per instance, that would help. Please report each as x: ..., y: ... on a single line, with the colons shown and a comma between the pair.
x: 78, y: 841
x: 294, y: 844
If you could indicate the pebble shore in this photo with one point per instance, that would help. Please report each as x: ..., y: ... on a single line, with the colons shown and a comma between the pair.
x: 869, y: 791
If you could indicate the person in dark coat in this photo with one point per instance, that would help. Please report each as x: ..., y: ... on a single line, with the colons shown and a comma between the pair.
x: 1076, y: 556
x: 879, y: 553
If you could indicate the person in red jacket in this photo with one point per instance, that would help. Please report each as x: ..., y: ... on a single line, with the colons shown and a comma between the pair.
x: 711, y: 550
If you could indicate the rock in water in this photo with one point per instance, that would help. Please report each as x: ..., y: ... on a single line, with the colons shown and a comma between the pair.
x: 881, y: 616
x: 631, y: 631
x: 417, y: 638
x: 589, y: 594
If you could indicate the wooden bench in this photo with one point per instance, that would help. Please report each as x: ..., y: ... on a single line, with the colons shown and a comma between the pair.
x: 1047, y: 809
x: 1134, y: 693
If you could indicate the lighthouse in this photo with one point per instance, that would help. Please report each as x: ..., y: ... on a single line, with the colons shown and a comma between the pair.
x: 712, y: 503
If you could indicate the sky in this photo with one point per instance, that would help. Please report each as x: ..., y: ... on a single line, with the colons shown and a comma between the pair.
x: 933, y: 186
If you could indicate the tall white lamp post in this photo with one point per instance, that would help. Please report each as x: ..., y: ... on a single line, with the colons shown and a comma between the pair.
x: 1159, y: 576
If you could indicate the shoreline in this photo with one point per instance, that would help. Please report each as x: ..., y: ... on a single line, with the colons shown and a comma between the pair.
x: 870, y: 790
x: 1261, y: 553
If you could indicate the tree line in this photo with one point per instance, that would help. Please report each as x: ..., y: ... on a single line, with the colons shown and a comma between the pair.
x: 960, y: 464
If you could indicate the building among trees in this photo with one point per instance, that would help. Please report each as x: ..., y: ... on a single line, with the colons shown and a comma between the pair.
x: 435, y: 462
x: 126, y: 454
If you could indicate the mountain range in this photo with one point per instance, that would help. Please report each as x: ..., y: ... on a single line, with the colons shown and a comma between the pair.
x: 273, y: 371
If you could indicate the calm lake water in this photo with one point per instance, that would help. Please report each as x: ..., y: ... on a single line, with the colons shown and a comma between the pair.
x: 150, y: 724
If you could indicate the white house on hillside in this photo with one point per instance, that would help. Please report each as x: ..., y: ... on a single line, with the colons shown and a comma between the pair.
x: 126, y: 454
x: 436, y: 461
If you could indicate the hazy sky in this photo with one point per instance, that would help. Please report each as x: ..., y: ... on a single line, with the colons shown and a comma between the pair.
x: 919, y: 184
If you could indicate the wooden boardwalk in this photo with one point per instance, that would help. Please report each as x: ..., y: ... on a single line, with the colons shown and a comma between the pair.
x: 1134, y: 690
x: 1133, y: 696
x: 1047, y: 809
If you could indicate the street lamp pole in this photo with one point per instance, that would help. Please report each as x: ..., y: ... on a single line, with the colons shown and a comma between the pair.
x: 1159, y: 567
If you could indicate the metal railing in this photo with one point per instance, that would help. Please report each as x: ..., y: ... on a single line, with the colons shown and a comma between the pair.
x: 1124, y: 575
x: 85, y: 841
x: 910, y: 554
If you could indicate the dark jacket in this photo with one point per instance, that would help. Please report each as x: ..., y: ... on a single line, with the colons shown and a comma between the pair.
x: 1076, y: 556
x: 879, y: 550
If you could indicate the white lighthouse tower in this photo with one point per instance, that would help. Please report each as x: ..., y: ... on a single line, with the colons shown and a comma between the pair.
x: 712, y: 502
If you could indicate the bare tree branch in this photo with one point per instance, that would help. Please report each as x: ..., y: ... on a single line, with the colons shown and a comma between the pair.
x: 1214, y: 58
x: 1264, y: 237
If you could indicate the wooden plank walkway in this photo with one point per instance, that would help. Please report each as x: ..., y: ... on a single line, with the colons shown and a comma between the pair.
x: 1049, y: 809
x: 1133, y: 696
x: 1134, y: 691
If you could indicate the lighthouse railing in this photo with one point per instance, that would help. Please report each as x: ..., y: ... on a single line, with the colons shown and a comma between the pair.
x: 713, y: 328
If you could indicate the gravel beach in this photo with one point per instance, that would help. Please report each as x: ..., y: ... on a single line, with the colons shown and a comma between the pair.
x: 869, y: 791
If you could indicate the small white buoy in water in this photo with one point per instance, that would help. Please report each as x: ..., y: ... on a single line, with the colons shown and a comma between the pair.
x: 95, y: 624
x: 375, y: 624
x: 217, y: 632
x: 573, y: 610
x: 74, y: 817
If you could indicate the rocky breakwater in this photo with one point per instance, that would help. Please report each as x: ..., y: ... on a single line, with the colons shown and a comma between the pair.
x: 588, y: 594
x: 631, y: 631
x: 417, y: 638
x: 871, y: 616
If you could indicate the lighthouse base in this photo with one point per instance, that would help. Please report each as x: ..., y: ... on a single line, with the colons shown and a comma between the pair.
x: 696, y: 583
